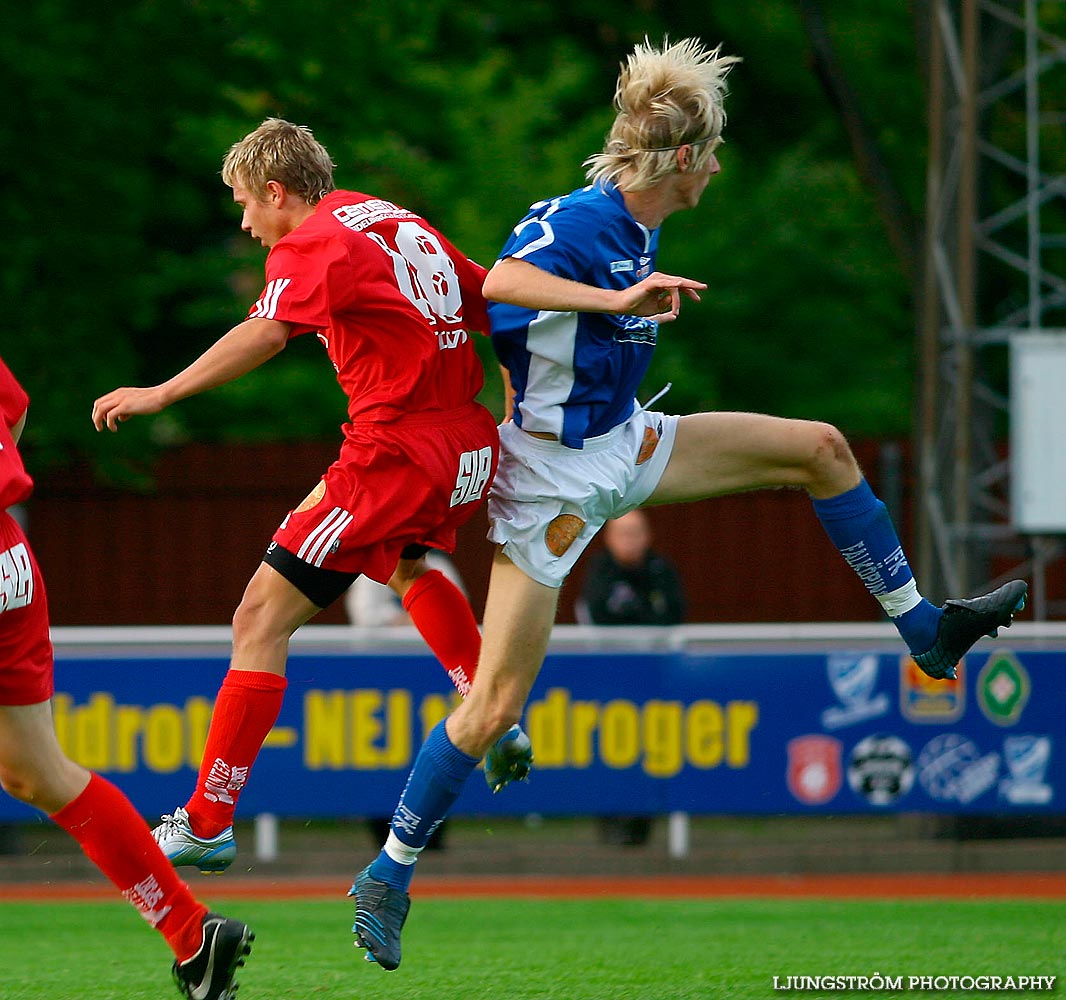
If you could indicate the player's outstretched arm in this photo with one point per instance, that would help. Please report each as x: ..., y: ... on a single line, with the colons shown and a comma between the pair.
x: 520, y: 283
x: 246, y: 346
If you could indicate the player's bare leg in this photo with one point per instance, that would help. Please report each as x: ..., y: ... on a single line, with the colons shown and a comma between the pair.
x: 200, y: 834
x: 442, y: 615
x: 271, y: 610
x: 717, y: 453
x: 519, y: 613
x: 33, y: 767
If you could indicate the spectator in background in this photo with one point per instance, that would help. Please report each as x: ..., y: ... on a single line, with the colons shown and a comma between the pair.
x: 629, y: 583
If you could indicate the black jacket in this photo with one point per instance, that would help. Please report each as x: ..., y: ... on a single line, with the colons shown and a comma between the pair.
x: 648, y: 594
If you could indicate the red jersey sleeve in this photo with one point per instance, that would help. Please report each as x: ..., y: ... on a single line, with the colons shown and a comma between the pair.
x: 15, y: 483
x: 297, y: 291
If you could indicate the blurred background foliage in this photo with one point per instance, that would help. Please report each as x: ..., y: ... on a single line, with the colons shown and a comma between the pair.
x: 123, y: 257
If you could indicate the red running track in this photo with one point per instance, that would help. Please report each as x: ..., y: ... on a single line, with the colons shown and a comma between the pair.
x: 998, y: 885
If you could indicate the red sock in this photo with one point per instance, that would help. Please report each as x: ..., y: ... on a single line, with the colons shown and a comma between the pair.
x: 246, y: 709
x: 117, y: 840
x: 443, y: 616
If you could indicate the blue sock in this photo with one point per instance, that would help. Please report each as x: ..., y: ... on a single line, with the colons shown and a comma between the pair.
x: 440, y: 771
x: 859, y: 526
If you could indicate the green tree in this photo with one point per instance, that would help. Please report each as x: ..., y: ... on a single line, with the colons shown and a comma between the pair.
x: 123, y: 259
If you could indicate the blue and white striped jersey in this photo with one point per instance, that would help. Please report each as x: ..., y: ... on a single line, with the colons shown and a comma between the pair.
x: 575, y: 375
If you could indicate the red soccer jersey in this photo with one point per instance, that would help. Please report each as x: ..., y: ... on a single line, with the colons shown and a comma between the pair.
x: 15, y: 483
x: 391, y: 299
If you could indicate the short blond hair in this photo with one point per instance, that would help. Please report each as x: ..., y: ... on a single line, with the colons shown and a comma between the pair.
x: 666, y: 97
x: 283, y: 152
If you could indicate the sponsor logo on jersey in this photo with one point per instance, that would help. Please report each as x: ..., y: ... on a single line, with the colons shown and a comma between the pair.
x: 618, y: 266
x: 637, y: 330
x: 449, y: 339
x: 16, y: 578
x: 366, y: 213
x: 324, y: 341
x: 815, y: 772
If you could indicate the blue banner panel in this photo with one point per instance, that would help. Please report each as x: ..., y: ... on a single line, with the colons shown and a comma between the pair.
x: 839, y: 732
x: 828, y: 731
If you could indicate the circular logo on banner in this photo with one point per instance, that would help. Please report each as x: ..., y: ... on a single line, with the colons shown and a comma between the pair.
x: 951, y: 768
x: 881, y: 769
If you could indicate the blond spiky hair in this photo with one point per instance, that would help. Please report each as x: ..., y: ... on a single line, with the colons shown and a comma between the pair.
x: 666, y: 97
x: 283, y: 152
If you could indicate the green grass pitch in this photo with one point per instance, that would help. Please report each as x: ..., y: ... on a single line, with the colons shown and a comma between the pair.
x: 520, y: 949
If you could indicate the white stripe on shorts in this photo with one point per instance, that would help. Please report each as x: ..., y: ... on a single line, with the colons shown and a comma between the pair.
x: 317, y: 544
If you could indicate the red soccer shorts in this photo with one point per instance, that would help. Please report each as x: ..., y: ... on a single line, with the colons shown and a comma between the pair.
x: 411, y: 481
x: 25, y: 648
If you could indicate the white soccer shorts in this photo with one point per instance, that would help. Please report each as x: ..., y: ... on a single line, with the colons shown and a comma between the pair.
x: 548, y: 501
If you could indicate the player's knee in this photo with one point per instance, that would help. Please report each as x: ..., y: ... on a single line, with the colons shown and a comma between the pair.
x: 829, y: 459
x: 243, y: 618
x: 251, y: 622
x: 406, y: 574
